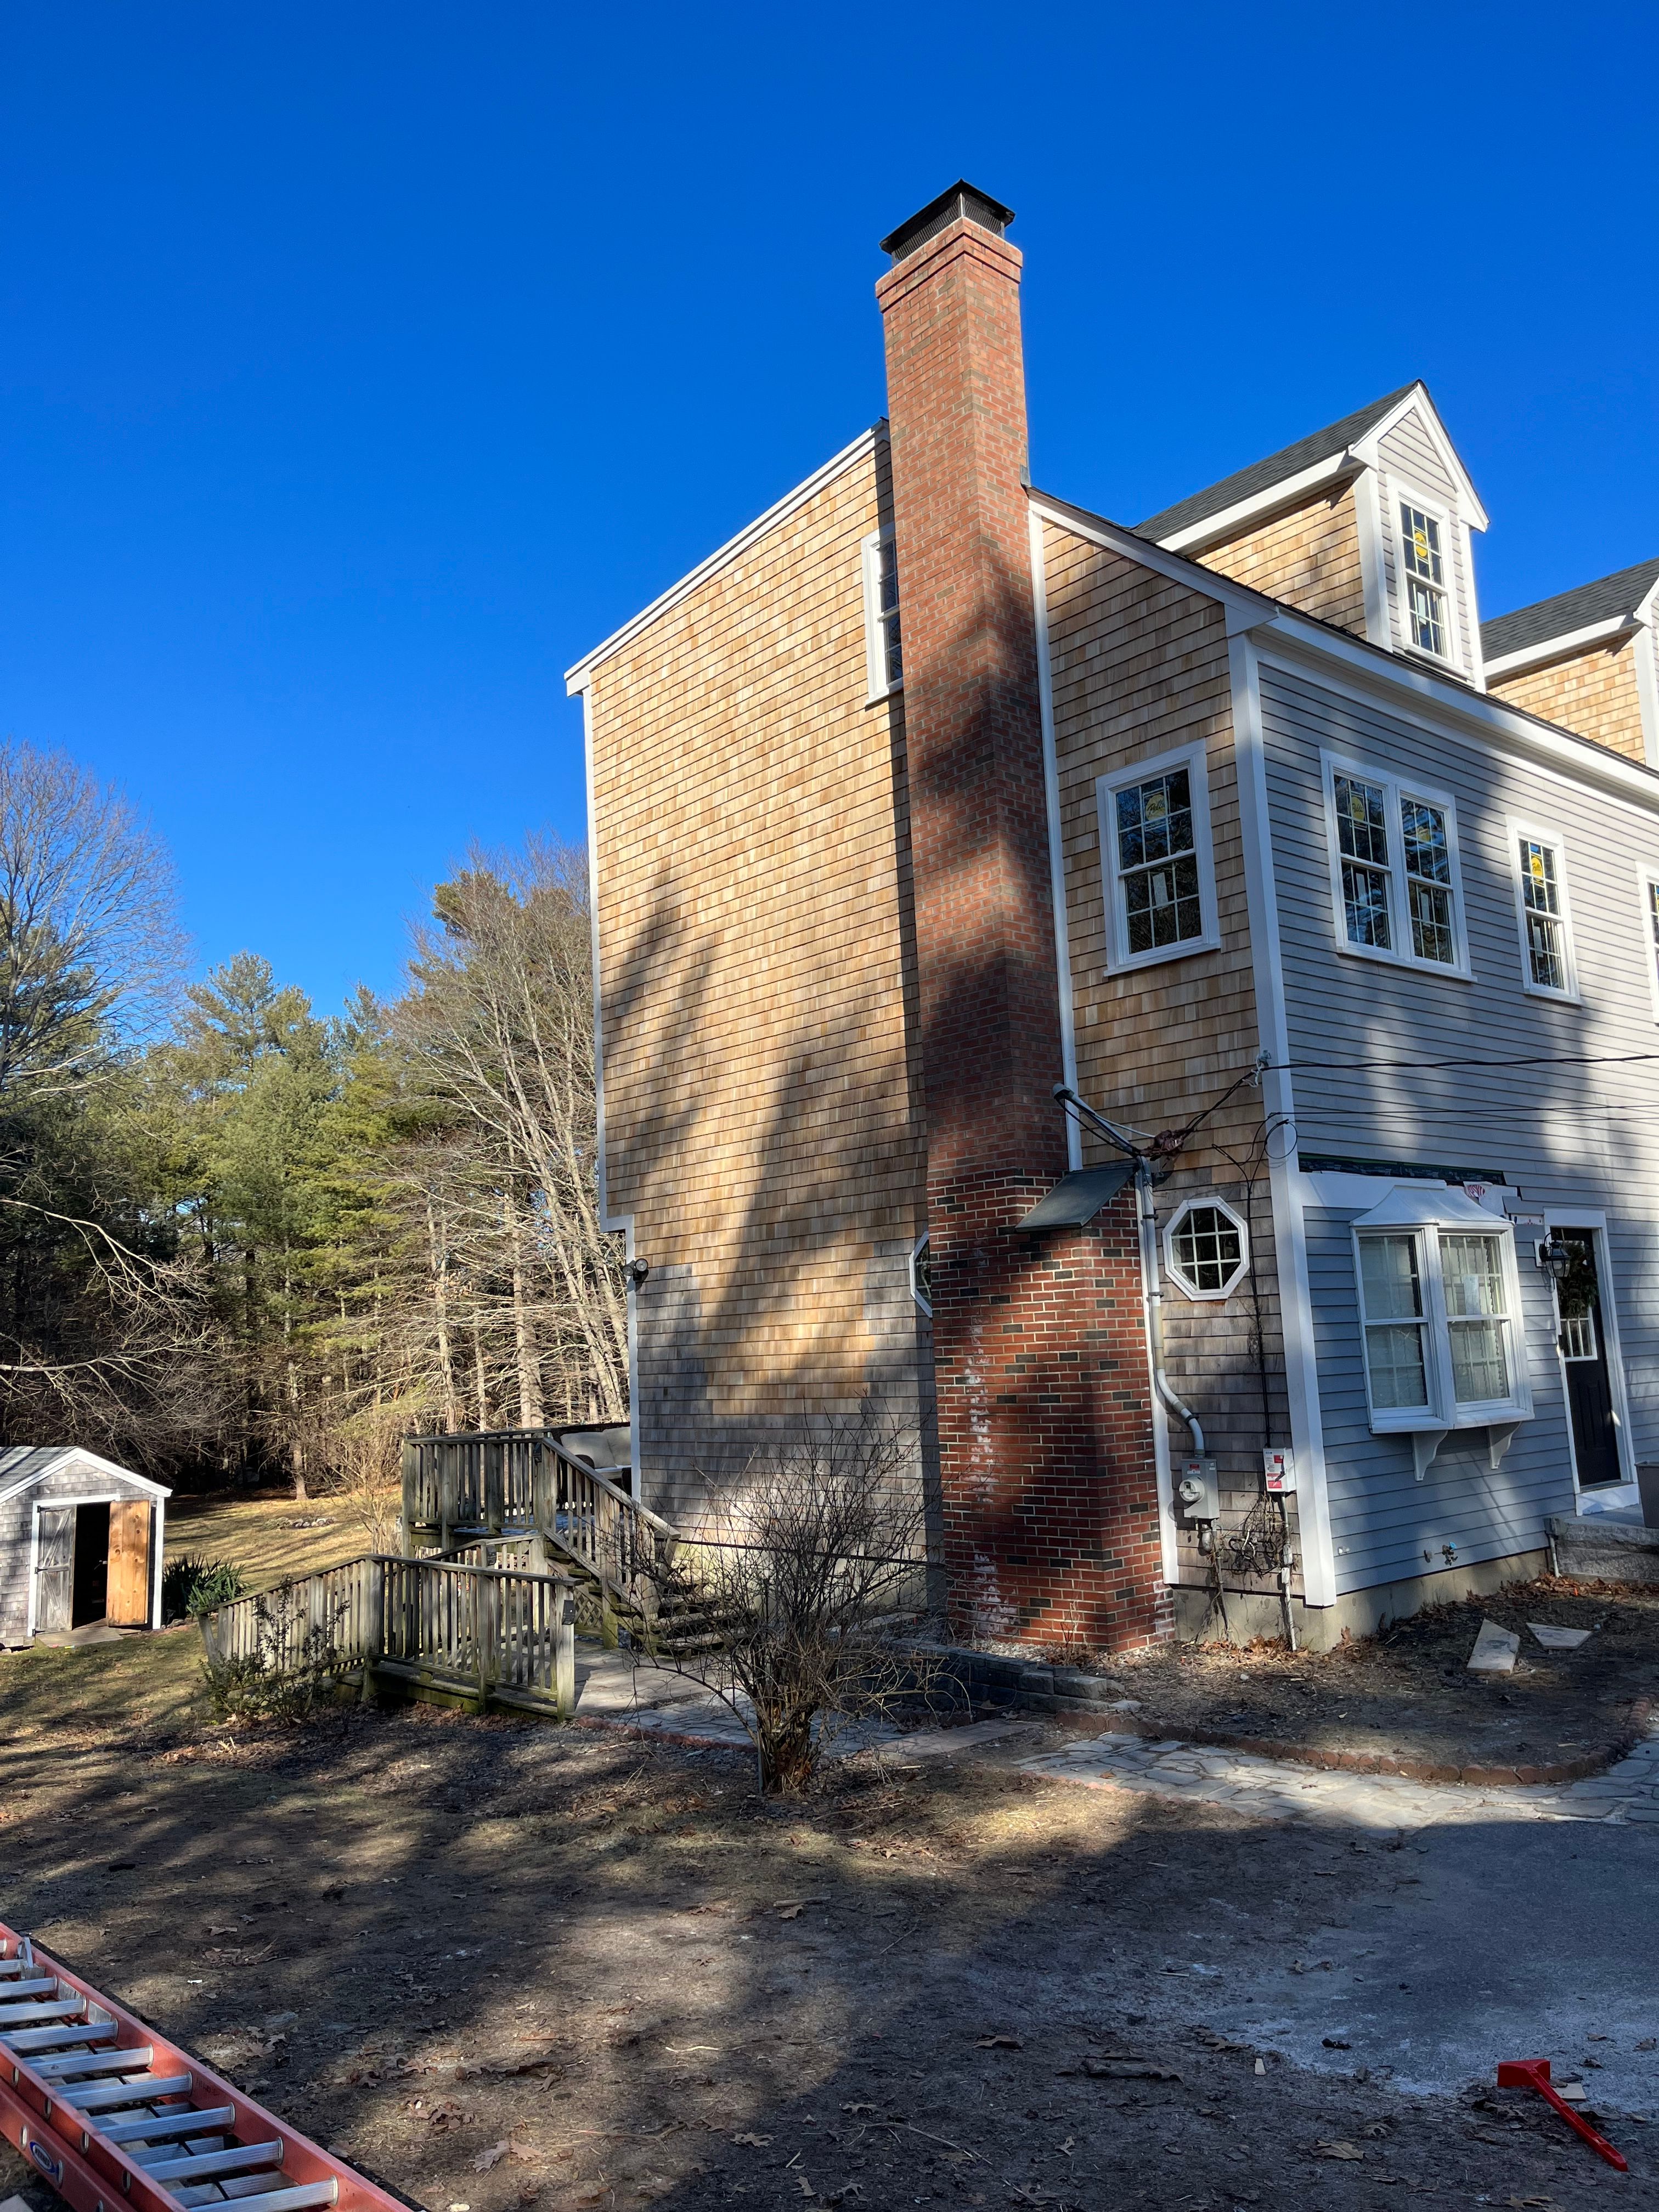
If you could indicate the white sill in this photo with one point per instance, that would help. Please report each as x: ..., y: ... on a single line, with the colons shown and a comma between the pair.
x: 1559, y: 998
x: 1442, y: 663
x: 1408, y: 961
x: 1161, y: 954
x: 893, y: 691
x: 1421, y: 1421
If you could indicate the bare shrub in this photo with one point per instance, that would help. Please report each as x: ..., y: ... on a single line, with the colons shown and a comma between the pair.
x: 361, y: 1459
x: 805, y: 1576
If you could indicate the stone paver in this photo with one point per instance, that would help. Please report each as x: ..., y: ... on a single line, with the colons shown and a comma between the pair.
x: 1280, y: 1789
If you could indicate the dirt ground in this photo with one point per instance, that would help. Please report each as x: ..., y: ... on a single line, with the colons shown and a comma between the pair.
x: 1410, y: 1693
x: 506, y: 1965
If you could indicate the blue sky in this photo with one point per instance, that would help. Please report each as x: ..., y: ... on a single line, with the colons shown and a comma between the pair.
x: 366, y: 363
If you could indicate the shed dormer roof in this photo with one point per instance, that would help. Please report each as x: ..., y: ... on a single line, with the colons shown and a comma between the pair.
x: 1248, y: 485
x: 1610, y: 600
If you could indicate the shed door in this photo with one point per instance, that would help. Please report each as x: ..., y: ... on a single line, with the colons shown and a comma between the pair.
x: 54, y: 1566
x: 128, y: 1604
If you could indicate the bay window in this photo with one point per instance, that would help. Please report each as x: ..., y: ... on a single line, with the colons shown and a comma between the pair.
x: 1439, y: 1309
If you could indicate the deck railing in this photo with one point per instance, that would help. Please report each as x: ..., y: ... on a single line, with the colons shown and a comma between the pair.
x: 501, y: 1635
x: 460, y: 1492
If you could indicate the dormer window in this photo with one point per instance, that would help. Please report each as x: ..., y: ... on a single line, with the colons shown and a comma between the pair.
x: 1422, y: 556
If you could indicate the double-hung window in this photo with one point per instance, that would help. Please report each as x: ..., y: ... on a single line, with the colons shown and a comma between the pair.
x: 1422, y: 553
x: 884, y: 659
x: 1155, y: 844
x: 1439, y: 1309
x: 1546, y: 924
x: 1393, y: 862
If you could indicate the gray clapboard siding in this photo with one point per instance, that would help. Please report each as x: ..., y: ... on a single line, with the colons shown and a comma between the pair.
x: 1383, y: 1520
x: 1565, y: 1136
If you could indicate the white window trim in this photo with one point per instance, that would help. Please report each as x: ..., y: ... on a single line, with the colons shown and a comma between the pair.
x: 875, y: 631
x: 1443, y: 1412
x: 1609, y: 1496
x: 1535, y: 834
x: 1119, y: 959
x: 916, y: 1292
x: 1646, y: 877
x: 1207, y: 1201
x: 1398, y: 955
x: 1402, y: 494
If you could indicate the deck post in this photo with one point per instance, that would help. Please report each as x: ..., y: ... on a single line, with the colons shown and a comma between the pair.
x: 486, y: 1593
x: 374, y: 1626
x: 409, y: 1457
x: 564, y: 1648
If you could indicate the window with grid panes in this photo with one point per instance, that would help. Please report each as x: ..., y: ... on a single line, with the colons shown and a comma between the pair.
x: 1362, y: 829
x: 1207, y: 1250
x: 1425, y: 578
x: 1541, y: 900
x: 1158, y: 861
x: 1653, y: 927
x: 1428, y: 880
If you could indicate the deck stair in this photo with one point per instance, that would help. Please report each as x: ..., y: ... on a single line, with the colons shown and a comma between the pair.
x: 109, y: 2111
x: 472, y: 1497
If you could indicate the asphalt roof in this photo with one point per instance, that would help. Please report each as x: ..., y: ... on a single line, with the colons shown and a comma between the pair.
x: 1263, y: 476
x: 1603, y: 601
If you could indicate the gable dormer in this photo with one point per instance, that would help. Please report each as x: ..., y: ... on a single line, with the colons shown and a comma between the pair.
x: 1365, y: 525
x: 1587, y: 660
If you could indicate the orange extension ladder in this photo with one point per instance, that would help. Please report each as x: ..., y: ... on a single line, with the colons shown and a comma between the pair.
x: 109, y: 2111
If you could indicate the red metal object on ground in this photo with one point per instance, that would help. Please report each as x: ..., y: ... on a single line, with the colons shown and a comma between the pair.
x: 1535, y: 2074
x: 114, y: 2116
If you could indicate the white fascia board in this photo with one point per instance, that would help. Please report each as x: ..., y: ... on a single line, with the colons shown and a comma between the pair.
x: 1559, y: 648
x: 576, y: 678
x: 1482, y: 717
x: 1367, y: 449
x: 76, y: 1455
x: 1246, y: 610
x: 1262, y: 505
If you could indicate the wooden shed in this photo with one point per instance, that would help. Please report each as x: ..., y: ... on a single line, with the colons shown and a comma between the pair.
x: 81, y: 1541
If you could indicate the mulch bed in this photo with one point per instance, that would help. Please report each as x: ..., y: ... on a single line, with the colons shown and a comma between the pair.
x: 1406, y: 1702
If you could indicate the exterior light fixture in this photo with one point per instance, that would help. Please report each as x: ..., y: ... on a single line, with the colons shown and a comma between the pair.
x: 1555, y: 1258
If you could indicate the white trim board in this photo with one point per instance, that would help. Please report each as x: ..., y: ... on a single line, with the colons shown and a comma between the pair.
x: 1289, y: 492
x: 1370, y: 448
x: 577, y: 676
x: 78, y: 1455
x: 1056, y: 838
x: 1565, y: 648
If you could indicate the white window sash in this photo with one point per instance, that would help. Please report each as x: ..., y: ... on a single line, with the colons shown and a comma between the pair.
x: 1401, y: 495
x: 1207, y: 1204
x: 875, y: 625
x: 1532, y: 833
x: 1400, y: 953
x: 1647, y: 882
x: 1119, y: 958
x: 1443, y: 1409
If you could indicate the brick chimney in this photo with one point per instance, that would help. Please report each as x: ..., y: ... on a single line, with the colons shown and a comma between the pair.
x: 1030, y: 1335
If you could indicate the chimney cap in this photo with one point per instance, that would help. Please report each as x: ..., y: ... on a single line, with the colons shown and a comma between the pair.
x: 961, y: 200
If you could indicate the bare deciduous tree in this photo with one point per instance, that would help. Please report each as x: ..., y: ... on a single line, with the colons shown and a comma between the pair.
x: 89, y: 949
x: 807, y: 1573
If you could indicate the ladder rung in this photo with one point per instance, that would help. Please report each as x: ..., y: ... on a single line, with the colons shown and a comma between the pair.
x: 109, y: 2096
x: 208, y: 2164
x: 24, y: 2040
x: 45, y: 1987
x: 22, y: 2015
x: 301, y: 2199
x: 188, y: 2120
x: 149, y: 2154
x: 64, y: 2066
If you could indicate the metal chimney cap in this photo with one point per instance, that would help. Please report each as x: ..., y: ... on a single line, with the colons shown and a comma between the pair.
x: 961, y: 200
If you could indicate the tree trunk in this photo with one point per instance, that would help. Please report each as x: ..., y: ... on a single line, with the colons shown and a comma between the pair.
x: 478, y: 1370
x: 440, y: 1264
x: 530, y: 1387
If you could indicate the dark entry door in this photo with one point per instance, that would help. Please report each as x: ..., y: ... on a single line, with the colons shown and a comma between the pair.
x: 54, y: 1567
x: 1584, y: 1345
x: 92, y: 1558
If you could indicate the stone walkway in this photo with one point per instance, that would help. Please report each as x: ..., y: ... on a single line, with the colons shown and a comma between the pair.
x: 1278, y: 1790
x: 662, y: 1701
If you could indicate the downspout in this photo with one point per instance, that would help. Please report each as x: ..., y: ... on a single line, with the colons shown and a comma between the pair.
x: 1147, y: 1208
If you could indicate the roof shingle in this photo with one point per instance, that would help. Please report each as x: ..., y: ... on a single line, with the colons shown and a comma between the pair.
x: 1606, y: 600
x: 1263, y: 476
